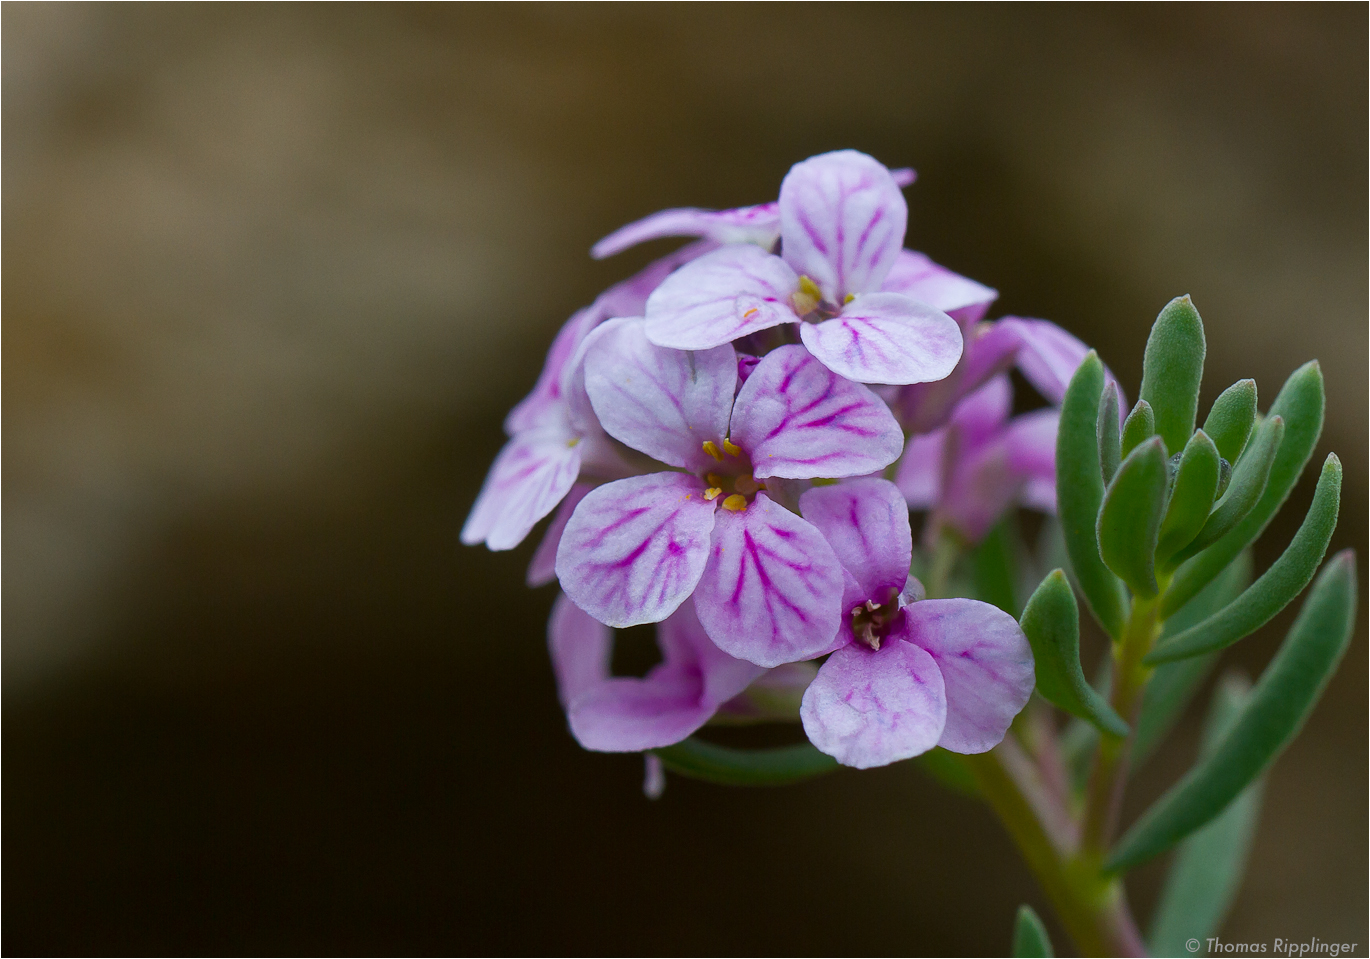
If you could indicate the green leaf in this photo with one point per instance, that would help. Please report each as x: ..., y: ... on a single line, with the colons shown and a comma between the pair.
x: 1173, y: 685
x: 1110, y: 440
x: 1080, y: 491
x: 1231, y: 418
x: 1249, y: 477
x: 1277, y: 586
x: 1208, y: 867
x: 1051, y: 623
x: 1279, y: 705
x: 1130, y: 519
x: 1300, y: 404
x: 1172, y: 367
x: 1029, y: 935
x: 949, y: 769
x: 1139, y: 426
x: 995, y: 561
x: 1191, y: 499
x: 745, y: 767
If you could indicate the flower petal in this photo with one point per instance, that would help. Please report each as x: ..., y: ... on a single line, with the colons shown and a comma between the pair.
x: 772, y: 591
x: 989, y: 350
x: 748, y: 224
x: 797, y: 419
x: 629, y: 297
x: 919, y: 278
x: 635, y: 548
x: 539, y: 405
x: 529, y: 477
x: 666, y: 403
x: 684, y: 642
x: 1050, y: 356
x: 873, y: 707
x: 627, y: 715
x: 581, y: 649
x: 886, y: 338
x: 981, y: 416
x: 1031, y: 441
x: 842, y: 221
x: 733, y: 291
x: 866, y: 522
x: 986, y: 665
x: 542, y: 567
x: 920, y: 470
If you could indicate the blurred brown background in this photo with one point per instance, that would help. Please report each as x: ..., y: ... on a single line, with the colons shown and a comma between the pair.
x: 272, y: 275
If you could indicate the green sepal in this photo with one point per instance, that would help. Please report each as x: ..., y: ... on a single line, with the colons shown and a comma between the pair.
x: 1300, y: 404
x: 1080, y: 491
x: 1172, y: 367
x: 1249, y: 478
x: 949, y: 769
x: 1051, y: 623
x: 1173, y: 685
x: 1109, y: 436
x: 1139, y: 427
x: 1191, y: 498
x: 1208, y: 866
x: 1030, y: 935
x: 1277, y: 586
x: 1130, y: 519
x: 1279, y: 705
x: 1231, y: 417
x: 745, y: 767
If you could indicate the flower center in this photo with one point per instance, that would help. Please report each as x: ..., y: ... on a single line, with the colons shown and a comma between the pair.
x: 732, y: 479
x: 808, y: 302
x: 871, y: 622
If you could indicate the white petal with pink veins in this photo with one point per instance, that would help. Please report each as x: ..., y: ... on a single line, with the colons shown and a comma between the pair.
x: 886, y: 338
x: 733, y: 291
x: 772, y: 591
x: 635, y: 548
x: 919, y: 278
x: 748, y: 224
x: 866, y: 522
x: 528, y: 479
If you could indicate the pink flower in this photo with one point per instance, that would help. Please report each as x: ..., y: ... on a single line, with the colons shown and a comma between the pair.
x: 908, y: 674
x: 842, y: 220
x: 765, y: 583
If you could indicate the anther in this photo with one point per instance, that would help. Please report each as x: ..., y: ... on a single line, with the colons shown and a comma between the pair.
x: 711, y: 493
x: 736, y: 503
x: 711, y: 448
x: 731, y: 448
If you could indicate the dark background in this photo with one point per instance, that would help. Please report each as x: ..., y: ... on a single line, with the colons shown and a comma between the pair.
x: 272, y: 275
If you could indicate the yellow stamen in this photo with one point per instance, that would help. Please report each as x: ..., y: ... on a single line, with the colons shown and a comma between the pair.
x: 572, y: 442
x: 848, y: 299
x: 808, y: 297
x: 747, y: 485
x: 711, y: 493
x: 736, y: 503
x: 713, y: 479
x: 750, y: 313
x: 711, y: 448
x: 731, y: 448
x: 809, y: 288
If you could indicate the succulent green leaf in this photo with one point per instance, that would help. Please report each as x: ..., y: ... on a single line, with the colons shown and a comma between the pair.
x: 1110, y: 439
x: 1139, y: 426
x: 1051, y: 623
x: 1172, y: 368
x: 1029, y: 935
x: 1080, y: 491
x: 1191, y: 499
x: 1130, y: 519
x: 1277, y: 586
x: 1208, y: 866
x: 1249, y: 477
x: 1300, y: 405
x: 745, y: 767
x: 1231, y: 417
x: 1276, y: 711
x: 1174, y: 684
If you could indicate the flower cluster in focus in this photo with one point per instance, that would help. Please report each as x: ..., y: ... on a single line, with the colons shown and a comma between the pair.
x: 730, y: 443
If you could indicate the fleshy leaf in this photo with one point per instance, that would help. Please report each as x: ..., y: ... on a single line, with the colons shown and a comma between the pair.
x: 634, y: 549
x: 1110, y: 439
x: 797, y: 419
x: 1130, y: 519
x: 1051, y: 622
x: 1172, y: 369
x: 886, y: 338
x: 1300, y: 404
x: 1029, y: 935
x: 1276, y: 587
x: 1208, y: 867
x: 1174, y: 684
x: 1191, y: 499
x: 1080, y: 491
x: 1231, y: 417
x: 1276, y: 711
x: 733, y: 291
x: 1139, y: 426
x: 745, y: 767
x: 772, y: 590
x: 1244, y: 491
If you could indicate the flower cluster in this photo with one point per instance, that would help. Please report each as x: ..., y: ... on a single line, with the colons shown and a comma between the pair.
x: 735, y: 437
